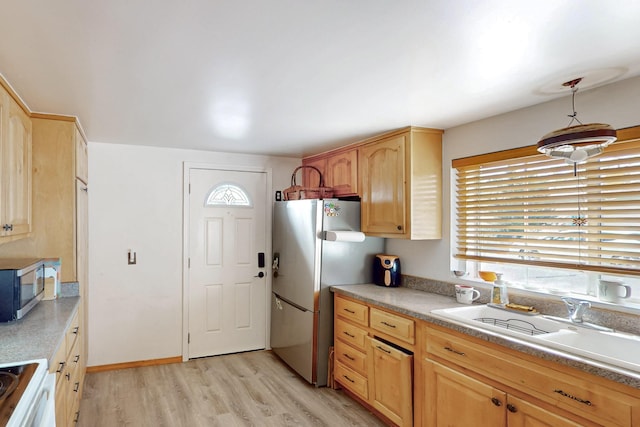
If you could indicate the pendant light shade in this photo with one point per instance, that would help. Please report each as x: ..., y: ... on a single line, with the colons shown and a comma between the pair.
x: 576, y: 144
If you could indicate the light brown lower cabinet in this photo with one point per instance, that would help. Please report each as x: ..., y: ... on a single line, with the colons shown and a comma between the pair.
x: 415, y: 373
x: 390, y: 384
x: 521, y: 413
x: 378, y: 371
x: 455, y: 399
x: 466, y: 378
x: 69, y: 364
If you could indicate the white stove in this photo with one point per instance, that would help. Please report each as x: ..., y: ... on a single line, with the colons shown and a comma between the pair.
x: 27, y: 394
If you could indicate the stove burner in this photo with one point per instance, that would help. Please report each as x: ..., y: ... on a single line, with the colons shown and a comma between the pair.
x: 8, y: 383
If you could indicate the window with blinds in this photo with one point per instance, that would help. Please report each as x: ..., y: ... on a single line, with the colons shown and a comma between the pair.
x: 525, y: 208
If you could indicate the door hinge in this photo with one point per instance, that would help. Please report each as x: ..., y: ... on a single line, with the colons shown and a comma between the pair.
x: 189, y: 188
x: 188, y: 262
x: 189, y: 338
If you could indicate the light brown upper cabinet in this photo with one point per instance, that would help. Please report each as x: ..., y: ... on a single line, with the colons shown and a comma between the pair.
x: 398, y: 176
x: 82, y: 158
x: 339, y: 169
x: 60, y: 177
x: 15, y: 163
x: 310, y: 177
x: 401, y: 184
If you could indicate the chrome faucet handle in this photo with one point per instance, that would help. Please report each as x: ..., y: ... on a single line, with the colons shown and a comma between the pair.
x: 570, y: 303
x: 576, y: 308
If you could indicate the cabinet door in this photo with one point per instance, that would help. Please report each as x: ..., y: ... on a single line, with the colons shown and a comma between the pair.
x: 521, y: 413
x: 454, y: 399
x: 310, y: 177
x: 4, y: 120
x: 390, y: 382
x: 342, y: 173
x: 16, y: 172
x: 82, y: 159
x: 82, y: 231
x: 382, y: 172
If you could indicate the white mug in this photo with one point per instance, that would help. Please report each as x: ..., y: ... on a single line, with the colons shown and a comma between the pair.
x: 609, y: 290
x: 466, y: 294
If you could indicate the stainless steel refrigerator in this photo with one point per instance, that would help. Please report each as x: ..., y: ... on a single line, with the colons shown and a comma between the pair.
x: 305, y: 265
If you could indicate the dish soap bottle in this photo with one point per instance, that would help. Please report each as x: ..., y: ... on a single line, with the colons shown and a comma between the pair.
x: 499, y: 294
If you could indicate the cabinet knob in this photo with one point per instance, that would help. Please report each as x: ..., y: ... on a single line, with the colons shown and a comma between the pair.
x: 496, y: 401
x: 399, y: 227
x: 512, y: 408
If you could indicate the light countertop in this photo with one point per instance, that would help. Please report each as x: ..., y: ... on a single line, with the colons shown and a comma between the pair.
x: 418, y: 304
x: 39, y: 334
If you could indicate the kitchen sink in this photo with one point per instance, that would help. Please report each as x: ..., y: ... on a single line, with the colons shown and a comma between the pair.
x: 610, y: 347
x: 509, y: 322
x: 614, y: 348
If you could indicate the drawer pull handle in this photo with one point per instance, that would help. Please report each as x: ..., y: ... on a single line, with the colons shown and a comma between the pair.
x: 349, y: 335
x: 348, y: 379
x: 388, y: 324
x: 383, y: 349
x: 496, y: 401
x: 512, y: 408
x: 349, y: 311
x: 60, y: 367
x: 459, y: 353
x: 75, y: 330
x: 75, y: 359
x: 76, y: 387
x: 572, y: 397
x: 67, y: 376
x: 348, y: 357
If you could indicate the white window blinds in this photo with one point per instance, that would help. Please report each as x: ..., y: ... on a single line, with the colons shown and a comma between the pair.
x: 530, y: 209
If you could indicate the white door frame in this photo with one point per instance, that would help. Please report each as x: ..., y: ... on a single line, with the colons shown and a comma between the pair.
x: 187, y: 166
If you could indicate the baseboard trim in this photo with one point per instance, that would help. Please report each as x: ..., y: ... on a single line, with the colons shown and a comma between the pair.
x: 140, y: 363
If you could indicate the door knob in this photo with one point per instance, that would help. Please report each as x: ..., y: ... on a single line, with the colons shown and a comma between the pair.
x: 260, y: 275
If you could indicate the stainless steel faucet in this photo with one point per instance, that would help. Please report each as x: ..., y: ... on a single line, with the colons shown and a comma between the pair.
x: 576, y: 308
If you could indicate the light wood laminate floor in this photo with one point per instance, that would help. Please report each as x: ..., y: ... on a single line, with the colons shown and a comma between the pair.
x: 246, y: 389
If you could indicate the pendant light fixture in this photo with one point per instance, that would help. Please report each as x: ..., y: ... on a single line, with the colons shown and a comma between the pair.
x: 577, y: 143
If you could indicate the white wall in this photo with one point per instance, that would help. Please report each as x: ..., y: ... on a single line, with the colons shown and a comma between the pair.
x: 135, y: 202
x: 617, y: 104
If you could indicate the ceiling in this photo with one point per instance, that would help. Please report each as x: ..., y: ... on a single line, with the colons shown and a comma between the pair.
x: 294, y: 77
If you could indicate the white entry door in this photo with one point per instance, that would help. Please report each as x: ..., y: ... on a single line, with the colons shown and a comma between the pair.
x: 226, y: 284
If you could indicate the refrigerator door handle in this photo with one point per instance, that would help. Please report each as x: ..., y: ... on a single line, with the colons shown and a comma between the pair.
x: 293, y: 304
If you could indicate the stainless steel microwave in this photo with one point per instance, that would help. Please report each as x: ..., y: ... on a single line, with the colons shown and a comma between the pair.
x: 21, y: 287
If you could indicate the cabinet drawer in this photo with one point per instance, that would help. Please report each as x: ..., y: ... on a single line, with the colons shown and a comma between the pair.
x: 72, y: 333
x: 351, y: 357
x: 351, y: 334
x: 73, y: 359
x: 59, y: 362
x: 574, y: 393
x: 393, y: 325
x: 354, y: 311
x: 351, y: 380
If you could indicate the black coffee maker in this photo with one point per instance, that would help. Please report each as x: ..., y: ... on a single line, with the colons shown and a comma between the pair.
x: 386, y: 270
